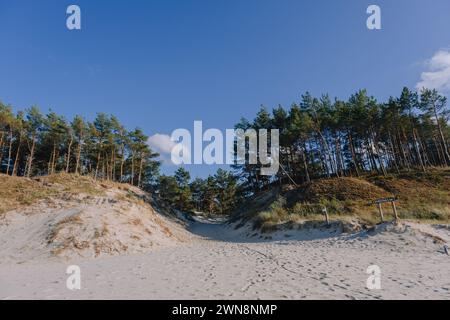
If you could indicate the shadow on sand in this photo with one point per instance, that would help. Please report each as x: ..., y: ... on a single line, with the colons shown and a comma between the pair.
x: 222, y: 230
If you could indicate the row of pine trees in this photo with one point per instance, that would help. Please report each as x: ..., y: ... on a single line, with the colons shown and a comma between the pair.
x: 217, y: 194
x: 321, y: 137
x: 33, y: 144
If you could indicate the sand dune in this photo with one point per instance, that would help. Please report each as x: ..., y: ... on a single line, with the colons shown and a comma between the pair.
x: 128, y: 248
x: 86, y: 226
x: 220, y: 262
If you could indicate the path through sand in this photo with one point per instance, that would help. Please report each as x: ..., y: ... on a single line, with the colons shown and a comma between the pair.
x: 222, y: 265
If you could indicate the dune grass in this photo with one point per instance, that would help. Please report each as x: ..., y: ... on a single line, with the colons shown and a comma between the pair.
x: 17, y: 192
x: 421, y: 197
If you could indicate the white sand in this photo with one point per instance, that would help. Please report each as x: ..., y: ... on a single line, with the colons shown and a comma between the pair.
x: 86, y: 226
x: 221, y: 263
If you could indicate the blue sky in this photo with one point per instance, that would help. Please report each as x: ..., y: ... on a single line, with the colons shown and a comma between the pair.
x: 160, y: 65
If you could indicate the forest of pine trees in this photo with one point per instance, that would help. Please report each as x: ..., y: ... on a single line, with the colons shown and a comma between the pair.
x: 216, y: 194
x: 33, y: 144
x: 319, y: 138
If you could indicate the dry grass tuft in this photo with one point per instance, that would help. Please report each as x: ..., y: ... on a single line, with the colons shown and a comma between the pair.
x: 421, y: 196
x: 17, y: 192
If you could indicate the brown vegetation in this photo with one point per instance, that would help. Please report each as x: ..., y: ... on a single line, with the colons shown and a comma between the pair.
x: 421, y: 196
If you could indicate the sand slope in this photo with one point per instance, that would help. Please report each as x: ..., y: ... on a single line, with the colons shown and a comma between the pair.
x: 128, y: 248
x: 86, y: 226
x: 223, y: 263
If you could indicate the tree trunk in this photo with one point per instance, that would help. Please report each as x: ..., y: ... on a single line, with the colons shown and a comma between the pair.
x: 1, y: 149
x: 140, y: 171
x: 379, y: 155
x: 402, y: 149
x: 352, y: 151
x: 132, y: 168
x: 77, y: 165
x: 441, y: 155
x: 122, y: 162
x: 408, y: 149
x: 9, y: 151
x: 323, y: 157
x: 30, y: 158
x: 419, y: 156
x: 16, y: 161
x: 97, y: 165
x: 113, y: 165
x: 68, y: 154
x: 305, y: 163
x: 394, y: 156
x: 53, y: 159
x: 339, y: 158
x: 441, y: 136
x: 106, y: 167
x: 327, y: 151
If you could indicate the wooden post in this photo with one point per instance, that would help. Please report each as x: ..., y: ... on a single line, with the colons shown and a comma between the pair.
x: 380, y: 209
x: 394, y: 208
x: 325, y: 211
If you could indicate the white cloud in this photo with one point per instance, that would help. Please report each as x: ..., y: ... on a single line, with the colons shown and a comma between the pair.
x: 163, y: 144
x: 437, y: 75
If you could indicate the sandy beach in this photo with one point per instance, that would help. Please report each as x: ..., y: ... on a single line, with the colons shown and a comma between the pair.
x: 221, y: 263
x: 225, y: 150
